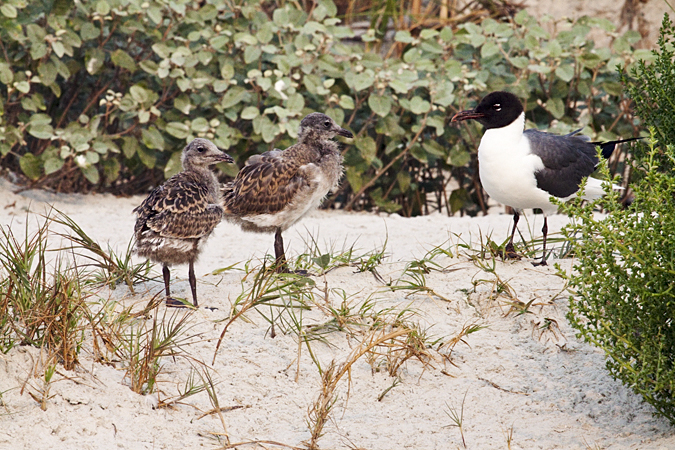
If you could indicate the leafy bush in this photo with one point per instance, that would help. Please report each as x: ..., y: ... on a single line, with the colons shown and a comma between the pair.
x: 652, y: 90
x: 103, y: 95
x: 625, y: 270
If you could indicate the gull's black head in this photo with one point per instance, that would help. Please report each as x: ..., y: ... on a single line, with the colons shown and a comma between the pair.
x: 496, y: 110
x: 203, y: 153
x: 321, y: 126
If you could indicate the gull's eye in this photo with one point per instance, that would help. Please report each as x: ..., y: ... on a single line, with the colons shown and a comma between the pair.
x: 201, y: 149
x: 327, y: 124
x: 497, y: 106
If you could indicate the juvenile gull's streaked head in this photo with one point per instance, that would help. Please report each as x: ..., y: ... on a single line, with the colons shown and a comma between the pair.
x: 203, y: 153
x: 321, y: 126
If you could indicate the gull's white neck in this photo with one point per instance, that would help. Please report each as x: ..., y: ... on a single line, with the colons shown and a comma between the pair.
x: 510, y: 133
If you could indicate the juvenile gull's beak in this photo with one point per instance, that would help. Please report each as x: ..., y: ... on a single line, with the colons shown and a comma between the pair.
x: 345, y: 133
x: 466, y: 115
x: 223, y: 157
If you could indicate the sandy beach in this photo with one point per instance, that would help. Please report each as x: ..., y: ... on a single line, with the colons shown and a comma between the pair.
x: 520, y: 381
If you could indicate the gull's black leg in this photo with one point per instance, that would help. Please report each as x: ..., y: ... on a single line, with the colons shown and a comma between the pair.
x: 544, y: 231
x: 509, y: 250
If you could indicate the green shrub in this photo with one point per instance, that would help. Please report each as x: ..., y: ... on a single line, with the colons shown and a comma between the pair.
x: 624, y: 276
x: 652, y: 90
x: 103, y: 94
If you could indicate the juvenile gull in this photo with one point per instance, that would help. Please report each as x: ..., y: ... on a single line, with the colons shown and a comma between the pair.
x: 181, y: 213
x: 523, y: 169
x: 276, y: 189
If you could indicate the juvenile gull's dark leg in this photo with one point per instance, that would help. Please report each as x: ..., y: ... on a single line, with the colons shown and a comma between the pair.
x: 509, y: 250
x: 167, y: 277
x: 279, y: 252
x: 170, y: 302
x: 193, y: 283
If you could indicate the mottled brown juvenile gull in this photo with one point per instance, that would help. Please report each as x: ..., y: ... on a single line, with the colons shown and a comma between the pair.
x: 181, y: 213
x: 276, y: 189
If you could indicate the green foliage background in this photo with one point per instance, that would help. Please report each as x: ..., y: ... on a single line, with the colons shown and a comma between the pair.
x: 102, y: 95
x: 624, y: 276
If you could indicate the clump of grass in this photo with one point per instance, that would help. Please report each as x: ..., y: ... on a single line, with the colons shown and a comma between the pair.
x: 457, y: 417
x: 319, y: 413
x: 112, y: 268
x: 144, y: 344
x: 286, y: 292
x: 41, y: 392
x: 461, y: 336
x: 413, y: 279
x: 40, y: 307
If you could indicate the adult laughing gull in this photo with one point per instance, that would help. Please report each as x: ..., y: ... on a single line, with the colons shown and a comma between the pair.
x: 276, y: 189
x: 523, y: 169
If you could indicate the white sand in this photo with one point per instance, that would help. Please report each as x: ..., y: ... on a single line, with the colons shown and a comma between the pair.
x: 548, y: 390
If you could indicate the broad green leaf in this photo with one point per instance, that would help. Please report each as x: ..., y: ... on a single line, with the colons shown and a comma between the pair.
x: 458, y: 157
x: 52, y: 165
x: 153, y: 139
x: 47, y: 73
x: 295, y: 103
x: 94, y: 59
x: 89, y: 31
x: 359, y: 81
x: 199, y: 125
x: 252, y: 54
x: 31, y: 166
x: 139, y: 93
x: 102, y: 7
x: 444, y: 93
x: 556, y: 107
x: 403, y: 36
x: 41, y: 131
x: 232, y: 97
x: 419, y: 105
x: 177, y: 129
x: 565, y: 73
x: 539, y: 68
x: 91, y: 174
x: 434, y: 148
x: 379, y: 104
x: 590, y: 60
x: 58, y: 48
x: 489, y: 49
x: 346, y: 102
x: 6, y: 75
x: 354, y: 178
x: 367, y: 147
x: 122, y: 59
x: 22, y: 86
x: 40, y: 119
x: 250, y: 113
x: 8, y: 10
x: 155, y: 14
x: 173, y: 166
x: 130, y: 146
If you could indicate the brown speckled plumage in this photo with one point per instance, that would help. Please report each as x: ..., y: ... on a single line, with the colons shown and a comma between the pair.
x: 276, y: 189
x: 176, y: 216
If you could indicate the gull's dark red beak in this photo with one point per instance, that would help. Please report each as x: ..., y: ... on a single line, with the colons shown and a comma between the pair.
x: 466, y: 115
